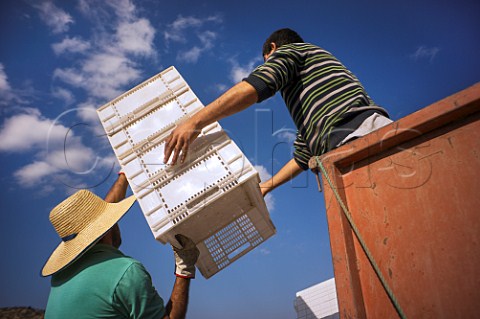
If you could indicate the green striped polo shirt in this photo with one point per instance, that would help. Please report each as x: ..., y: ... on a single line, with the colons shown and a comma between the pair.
x: 319, y: 92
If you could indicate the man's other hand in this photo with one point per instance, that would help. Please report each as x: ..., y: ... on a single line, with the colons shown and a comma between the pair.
x: 185, y: 257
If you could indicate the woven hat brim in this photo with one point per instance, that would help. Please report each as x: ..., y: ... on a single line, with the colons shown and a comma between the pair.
x: 68, y: 251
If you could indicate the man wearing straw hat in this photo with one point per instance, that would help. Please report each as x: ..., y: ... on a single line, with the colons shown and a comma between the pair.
x: 91, y: 278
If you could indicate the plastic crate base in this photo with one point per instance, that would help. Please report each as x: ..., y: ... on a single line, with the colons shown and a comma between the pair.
x: 226, y: 229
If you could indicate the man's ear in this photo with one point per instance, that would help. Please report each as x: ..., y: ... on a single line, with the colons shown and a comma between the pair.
x: 273, y: 47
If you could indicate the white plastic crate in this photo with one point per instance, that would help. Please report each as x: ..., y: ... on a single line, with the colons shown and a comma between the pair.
x: 212, y: 198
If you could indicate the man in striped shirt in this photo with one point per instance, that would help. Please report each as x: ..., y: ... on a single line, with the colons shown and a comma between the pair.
x: 327, y: 103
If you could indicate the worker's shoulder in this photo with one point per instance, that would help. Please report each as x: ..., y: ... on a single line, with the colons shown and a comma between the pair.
x: 105, y: 256
x: 100, y: 265
x: 118, y: 267
x: 119, y: 259
x: 303, y: 50
x: 302, y: 46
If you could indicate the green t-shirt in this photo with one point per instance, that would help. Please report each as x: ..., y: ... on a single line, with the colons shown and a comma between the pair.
x: 104, y: 283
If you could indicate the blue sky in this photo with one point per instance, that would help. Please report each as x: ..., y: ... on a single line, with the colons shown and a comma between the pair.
x: 60, y: 60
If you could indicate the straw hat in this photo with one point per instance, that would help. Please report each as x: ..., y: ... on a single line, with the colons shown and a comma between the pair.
x: 81, y: 220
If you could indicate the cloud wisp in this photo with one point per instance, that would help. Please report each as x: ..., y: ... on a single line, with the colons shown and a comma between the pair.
x: 287, y: 135
x: 55, y: 18
x: 109, y: 62
x: 4, y: 84
x: 425, y: 53
x: 237, y: 72
x: 240, y: 71
x: 192, y: 48
x: 71, y: 45
x: 9, y: 95
x: 63, y: 94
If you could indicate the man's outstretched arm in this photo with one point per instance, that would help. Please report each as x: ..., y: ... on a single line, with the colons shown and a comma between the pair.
x: 177, y: 305
x: 185, y: 258
x: 236, y: 99
x: 285, y: 174
x: 118, y: 190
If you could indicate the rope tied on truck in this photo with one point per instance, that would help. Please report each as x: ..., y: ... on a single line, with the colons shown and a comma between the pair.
x: 372, y: 261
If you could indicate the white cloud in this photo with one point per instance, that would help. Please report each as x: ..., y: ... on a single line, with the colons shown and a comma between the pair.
x: 136, y: 37
x: 207, y: 38
x: 63, y: 94
x: 424, y: 52
x: 71, y: 45
x: 57, y: 19
x: 270, y: 202
x: 220, y: 87
x: 24, y: 132
x: 103, y: 75
x: 286, y: 135
x: 13, y: 99
x: 109, y: 65
x: 7, y: 94
x: 182, y: 28
x: 263, y: 172
x: 70, y: 76
x: 193, y: 54
x: 176, y: 30
x: 190, y: 56
x: 57, y: 151
x: 124, y: 9
x: 113, y: 11
x: 87, y: 112
x: 74, y: 157
x: 105, y: 67
x: 4, y: 85
x: 239, y: 72
x: 265, y: 251
x: 33, y: 173
x: 75, y: 160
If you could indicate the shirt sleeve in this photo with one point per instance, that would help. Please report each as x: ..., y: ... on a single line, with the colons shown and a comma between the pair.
x: 135, y: 296
x: 302, y: 153
x: 279, y: 69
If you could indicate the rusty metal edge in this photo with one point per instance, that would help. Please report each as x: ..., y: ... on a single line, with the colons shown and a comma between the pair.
x: 435, y: 115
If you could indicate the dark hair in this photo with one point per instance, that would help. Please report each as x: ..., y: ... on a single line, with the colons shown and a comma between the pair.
x: 281, y: 37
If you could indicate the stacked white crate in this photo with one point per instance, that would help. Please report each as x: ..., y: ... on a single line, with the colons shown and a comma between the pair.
x: 318, y: 301
x: 213, y: 197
